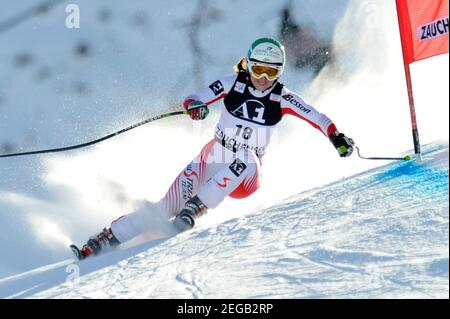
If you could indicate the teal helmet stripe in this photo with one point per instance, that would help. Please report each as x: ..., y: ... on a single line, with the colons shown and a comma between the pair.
x: 264, y: 40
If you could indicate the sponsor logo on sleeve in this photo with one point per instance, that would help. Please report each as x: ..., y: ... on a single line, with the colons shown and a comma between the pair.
x: 217, y: 87
x: 433, y: 29
x: 291, y: 99
x: 237, y: 167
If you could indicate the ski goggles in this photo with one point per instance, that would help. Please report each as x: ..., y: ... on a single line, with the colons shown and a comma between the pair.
x: 258, y: 71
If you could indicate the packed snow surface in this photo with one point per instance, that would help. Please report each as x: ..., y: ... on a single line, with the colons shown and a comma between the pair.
x: 380, y: 234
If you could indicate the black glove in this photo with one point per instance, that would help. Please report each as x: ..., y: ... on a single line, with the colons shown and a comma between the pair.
x: 197, y: 110
x: 343, y: 144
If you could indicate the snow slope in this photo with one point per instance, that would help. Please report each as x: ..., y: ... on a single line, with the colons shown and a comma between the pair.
x: 383, y: 233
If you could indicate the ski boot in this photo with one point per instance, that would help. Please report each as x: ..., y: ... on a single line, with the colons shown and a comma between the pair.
x: 193, y: 209
x: 96, y: 244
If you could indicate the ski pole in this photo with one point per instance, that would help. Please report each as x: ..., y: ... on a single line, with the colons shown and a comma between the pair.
x: 68, y: 148
x: 406, y: 158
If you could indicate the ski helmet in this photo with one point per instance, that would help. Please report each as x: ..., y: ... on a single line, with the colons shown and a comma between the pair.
x: 266, y: 52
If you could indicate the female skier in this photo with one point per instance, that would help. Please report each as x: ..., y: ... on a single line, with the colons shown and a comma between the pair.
x: 254, y: 102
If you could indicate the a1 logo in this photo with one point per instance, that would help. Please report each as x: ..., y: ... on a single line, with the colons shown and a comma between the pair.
x: 251, y: 110
x: 217, y: 87
x: 237, y: 167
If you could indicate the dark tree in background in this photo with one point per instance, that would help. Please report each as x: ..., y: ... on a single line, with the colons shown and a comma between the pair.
x: 304, y: 47
x: 204, y: 15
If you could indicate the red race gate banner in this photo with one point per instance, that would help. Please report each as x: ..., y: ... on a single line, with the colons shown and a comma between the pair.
x: 423, y: 28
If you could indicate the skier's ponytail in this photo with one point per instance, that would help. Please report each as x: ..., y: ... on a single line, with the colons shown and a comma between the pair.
x: 241, y: 66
